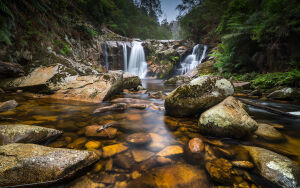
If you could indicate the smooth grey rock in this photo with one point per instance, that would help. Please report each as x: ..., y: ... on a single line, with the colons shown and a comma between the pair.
x: 276, y: 168
x: 285, y: 93
x: 268, y: 132
x: 131, y: 81
x: 18, y: 133
x: 227, y: 119
x: 22, y: 164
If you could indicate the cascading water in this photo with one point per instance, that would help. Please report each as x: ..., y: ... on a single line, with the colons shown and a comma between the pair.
x: 191, y: 61
x: 125, y: 56
x: 106, y: 55
x: 137, y: 61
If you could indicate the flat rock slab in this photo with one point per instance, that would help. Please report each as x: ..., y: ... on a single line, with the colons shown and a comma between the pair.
x: 268, y: 132
x: 19, y: 133
x: 22, y: 164
x: 274, y: 167
x: 139, y: 138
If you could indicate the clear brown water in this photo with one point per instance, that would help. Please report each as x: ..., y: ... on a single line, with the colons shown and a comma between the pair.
x: 72, y: 117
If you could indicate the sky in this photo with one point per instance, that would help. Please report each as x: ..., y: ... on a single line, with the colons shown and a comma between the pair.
x: 168, y: 8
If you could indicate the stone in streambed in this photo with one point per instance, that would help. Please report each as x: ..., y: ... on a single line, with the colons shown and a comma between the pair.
x: 124, y: 160
x: 227, y: 119
x: 112, y: 150
x: 179, y: 175
x: 171, y: 151
x: 92, y: 145
x: 19, y: 133
x: 274, y: 167
x: 220, y: 170
x: 158, y: 142
x: 77, y: 143
x: 197, y: 96
x: 140, y: 155
x: 91, y: 131
x: 29, y: 163
x: 242, y: 164
x: 268, y: 132
x: 195, y: 149
x: 131, y: 81
x: 139, y: 138
x: 8, y: 105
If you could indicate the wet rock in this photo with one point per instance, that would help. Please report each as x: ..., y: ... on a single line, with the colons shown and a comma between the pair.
x: 227, y: 153
x: 227, y: 119
x: 170, y: 151
x: 92, y: 145
x: 197, y: 96
x: 114, y: 107
x: 242, y: 164
x: 134, y: 117
x: 268, y: 132
x: 77, y: 143
x: 131, y: 81
x: 179, y: 175
x: 40, y: 163
x: 135, y: 175
x: 18, y: 133
x: 112, y: 150
x: 45, y: 118
x: 195, y: 149
x: 10, y: 70
x: 124, y: 161
x: 139, y: 138
x: 8, y: 105
x: 164, y: 160
x: 138, y: 106
x: 85, y: 182
x: 171, y: 122
x: 58, y: 144
x: 178, y: 80
x: 140, y: 155
x: 130, y: 100
x: 158, y: 142
x: 206, y: 67
x: 285, y: 93
x: 274, y: 167
x: 220, y: 171
x: 91, y: 131
x: 157, y: 95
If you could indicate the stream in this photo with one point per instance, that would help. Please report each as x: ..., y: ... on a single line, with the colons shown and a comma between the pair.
x: 72, y: 117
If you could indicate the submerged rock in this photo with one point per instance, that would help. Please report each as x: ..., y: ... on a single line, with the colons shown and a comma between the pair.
x: 91, y: 131
x: 131, y: 81
x: 8, y: 105
x: 274, y: 167
x: 194, y: 150
x: 220, y: 170
x: 23, y: 164
x: 178, y: 175
x: 139, y: 138
x: 18, y: 133
x: 268, y: 132
x: 227, y: 119
x: 170, y: 151
x: 197, y: 96
x: 140, y: 155
x: 112, y: 150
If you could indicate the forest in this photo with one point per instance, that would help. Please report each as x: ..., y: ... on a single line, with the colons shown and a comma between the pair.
x: 150, y: 93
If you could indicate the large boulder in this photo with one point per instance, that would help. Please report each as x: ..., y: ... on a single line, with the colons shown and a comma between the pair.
x: 197, y: 96
x: 18, y: 133
x: 10, y: 70
x: 23, y: 164
x: 94, y: 88
x: 178, y: 175
x: 131, y: 81
x: 227, y: 119
x: 8, y: 105
x: 274, y: 167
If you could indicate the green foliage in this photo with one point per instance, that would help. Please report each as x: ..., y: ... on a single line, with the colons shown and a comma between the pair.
x: 272, y: 80
x: 62, y: 46
x: 256, y: 35
x: 175, y: 58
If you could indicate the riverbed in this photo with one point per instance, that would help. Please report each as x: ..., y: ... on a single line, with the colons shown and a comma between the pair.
x: 73, y: 117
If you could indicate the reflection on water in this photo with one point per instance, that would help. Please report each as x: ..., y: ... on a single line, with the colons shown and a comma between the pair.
x: 126, y: 162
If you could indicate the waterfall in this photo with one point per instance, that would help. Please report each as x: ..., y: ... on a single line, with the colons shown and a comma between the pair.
x: 106, y: 56
x: 125, y: 56
x: 137, y: 61
x: 194, y: 59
